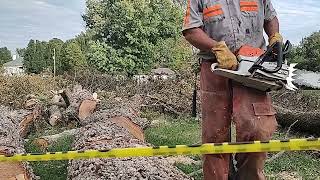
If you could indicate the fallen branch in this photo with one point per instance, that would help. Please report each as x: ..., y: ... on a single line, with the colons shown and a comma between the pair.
x: 164, y: 105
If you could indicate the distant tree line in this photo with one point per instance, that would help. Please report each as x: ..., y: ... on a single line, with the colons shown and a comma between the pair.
x: 69, y: 56
x: 126, y: 37
x: 5, y: 55
x: 307, y: 53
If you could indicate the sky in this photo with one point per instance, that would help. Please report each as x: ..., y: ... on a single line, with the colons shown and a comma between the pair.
x: 22, y: 20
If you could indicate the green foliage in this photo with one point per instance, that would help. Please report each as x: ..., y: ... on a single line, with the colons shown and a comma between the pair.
x: 38, y: 56
x: 21, y: 51
x: 172, y: 53
x: 72, y: 56
x: 34, y: 57
x: 5, y: 55
x: 51, y: 170
x: 53, y: 49
x: 83, y: 40
x: 131, y: 36
x: 307, y: 54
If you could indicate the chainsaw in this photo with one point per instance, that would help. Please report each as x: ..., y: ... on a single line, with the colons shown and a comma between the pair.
x: 262, y: 70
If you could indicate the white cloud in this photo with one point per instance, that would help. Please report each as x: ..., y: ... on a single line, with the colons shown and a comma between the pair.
x: 298, y: 18
x: 38, y: 19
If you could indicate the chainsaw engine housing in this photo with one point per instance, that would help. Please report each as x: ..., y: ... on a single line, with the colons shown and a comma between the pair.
x: 266, y: 75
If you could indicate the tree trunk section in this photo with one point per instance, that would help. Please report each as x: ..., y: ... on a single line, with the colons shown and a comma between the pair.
x: 12, y: 143
x: 303, y: 121
x: 117, y: 128
x: 301, y: 108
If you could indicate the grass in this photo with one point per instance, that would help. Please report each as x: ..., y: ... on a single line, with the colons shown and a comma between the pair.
x: 184, y: 130
x: 51, y: 170
x: 302, y: 163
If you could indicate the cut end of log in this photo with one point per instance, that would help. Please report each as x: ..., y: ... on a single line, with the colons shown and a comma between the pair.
x: 86, y: 108
x: 13, y: 171
x: 126, y: 123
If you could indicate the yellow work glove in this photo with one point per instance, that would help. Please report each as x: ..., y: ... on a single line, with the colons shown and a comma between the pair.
x: 226, y: 59
x: 275, y: 38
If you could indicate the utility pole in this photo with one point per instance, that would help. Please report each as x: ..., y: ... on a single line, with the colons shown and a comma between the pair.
x: 54, y: 62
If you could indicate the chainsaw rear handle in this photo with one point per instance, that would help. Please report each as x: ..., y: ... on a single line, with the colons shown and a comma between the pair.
x: 274, y: 48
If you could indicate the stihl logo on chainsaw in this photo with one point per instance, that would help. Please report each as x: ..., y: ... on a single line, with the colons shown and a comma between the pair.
x: 265, y: 71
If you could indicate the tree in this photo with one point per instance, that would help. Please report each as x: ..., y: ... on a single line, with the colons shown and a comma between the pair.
x: 34, y: 57
x: 307, y: 53
x: 83, y: 40
x: 127, y: 34
x: 72, y: 56
x: 5, y: 55
x: 21, y: 51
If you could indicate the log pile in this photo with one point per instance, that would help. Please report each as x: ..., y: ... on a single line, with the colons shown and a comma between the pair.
x: 11, y: 143
x: 116, y: 128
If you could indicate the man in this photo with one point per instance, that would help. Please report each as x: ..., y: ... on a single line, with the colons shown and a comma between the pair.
x: 219, y: 28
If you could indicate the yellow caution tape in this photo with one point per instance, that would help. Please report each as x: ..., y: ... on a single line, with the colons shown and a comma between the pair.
x: 212, y: 148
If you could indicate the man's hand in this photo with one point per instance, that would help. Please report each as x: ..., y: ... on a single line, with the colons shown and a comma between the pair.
x: 226, y: 59
x: 275, y: 38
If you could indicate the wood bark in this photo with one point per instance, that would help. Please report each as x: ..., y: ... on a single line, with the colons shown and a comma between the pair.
x: 11, y: 143
x: 306, y: 121
x: 110, y: 128
x: 300, y: 106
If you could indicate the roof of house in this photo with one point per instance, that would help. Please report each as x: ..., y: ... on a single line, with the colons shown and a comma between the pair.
x: 14, y: 63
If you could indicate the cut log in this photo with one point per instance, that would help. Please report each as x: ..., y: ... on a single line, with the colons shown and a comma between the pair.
x: 301, y: 106
x: 86, y: 108
x: 11, y: 143
x: 112, y: 130
x: 44, y: 141
x: 306, y: 121
x: 54, y: 110
x: 29, y: 120
x: 76, y: 98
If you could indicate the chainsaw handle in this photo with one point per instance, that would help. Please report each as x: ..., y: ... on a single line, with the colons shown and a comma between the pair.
x: 287, y: 47
x: 266, y: 56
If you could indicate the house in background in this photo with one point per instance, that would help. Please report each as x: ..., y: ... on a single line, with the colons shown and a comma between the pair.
x: 14, y: 67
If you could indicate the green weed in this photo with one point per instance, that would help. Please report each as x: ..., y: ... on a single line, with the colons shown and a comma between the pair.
x: 51, y: 170
x: 184, y: 131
